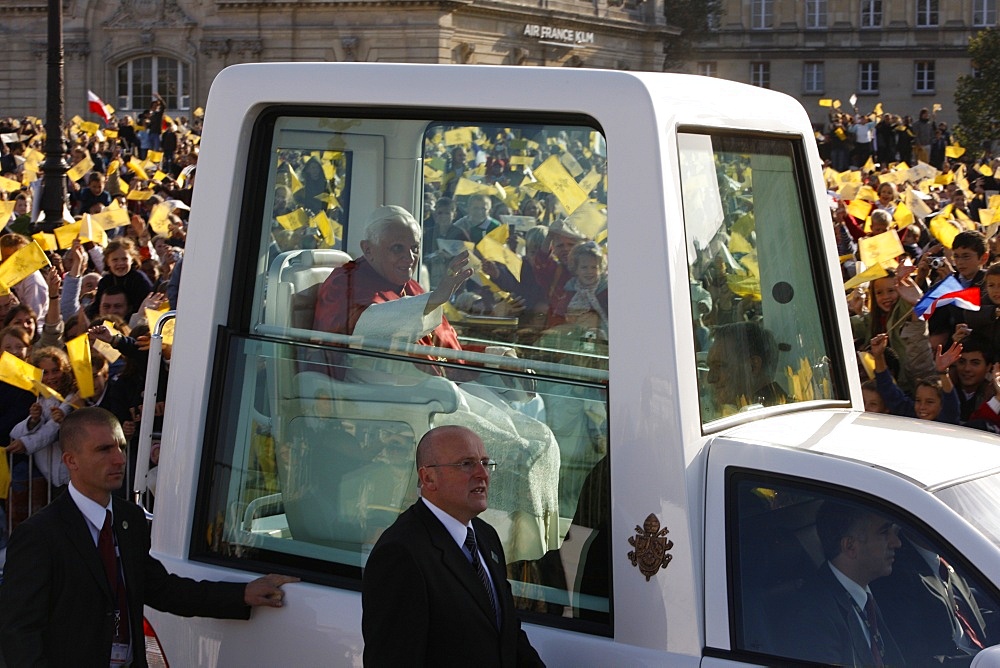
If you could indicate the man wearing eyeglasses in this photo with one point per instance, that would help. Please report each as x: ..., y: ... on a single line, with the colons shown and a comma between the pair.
x: 435, y: 588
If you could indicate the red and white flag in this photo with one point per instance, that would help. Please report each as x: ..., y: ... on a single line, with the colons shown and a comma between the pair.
x: 97, y: 106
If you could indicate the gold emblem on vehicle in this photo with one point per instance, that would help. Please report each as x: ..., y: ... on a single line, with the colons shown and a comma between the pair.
x: 651, y: 545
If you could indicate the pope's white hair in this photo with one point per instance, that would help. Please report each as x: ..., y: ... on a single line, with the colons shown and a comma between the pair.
x: 385, y: 217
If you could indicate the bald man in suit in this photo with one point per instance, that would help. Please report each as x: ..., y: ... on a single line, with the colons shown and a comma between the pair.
x: 435, y: 589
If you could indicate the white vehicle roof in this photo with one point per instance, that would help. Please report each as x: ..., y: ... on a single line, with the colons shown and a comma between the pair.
x: 930, y: 454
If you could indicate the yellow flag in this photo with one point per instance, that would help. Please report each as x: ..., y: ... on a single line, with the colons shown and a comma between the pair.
x: 111, y: 134
x: 986, y: 217
x: 590, y: 181
x: 458, y: 137
x: 80, y: 169
x: 9, y: 185
x: 294, y: 182
x: 944, y: 230
x: 45, y: 240
x: 154, y: 156
x: 870, y: 274
x: 331, y: 200
x: 868, y: 364
x: 109, y: 351
x: 954, y: 152
x: 903, y: 216
x: 878, y: 109
x: 331, y: 230
x: 859, y: 208
x: 826, y: 102
x: 44, y: 391
x: 850, y: 176
x: 137, y: 168
x: 589, y: 218
x: 90, y: 127
x: 113, y: 166
x: 24, y: 262
x: 522, y: 160
x: 159, y: 176
x: 15, y: 371
x: 469, y: 187
x: 79, y: 358
x: 294, y: 220
x: 124, y: 187
x: 66, y: 233
x: 867, y: 193
x: 153, y: 317
x: 6, y: 209
x: 553, y: 175
x: 92, y: 231
x: 4, y: 477
x: 881, y: 247
x: 986, y: 170
x: 869, y: 165
x: 497, y: 251
x: 159, y: 218
x: 111, y: 217
x: 571, y: 164
x: 139, y: 195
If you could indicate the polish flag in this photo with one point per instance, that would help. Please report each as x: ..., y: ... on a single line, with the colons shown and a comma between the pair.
x: 97, y: 106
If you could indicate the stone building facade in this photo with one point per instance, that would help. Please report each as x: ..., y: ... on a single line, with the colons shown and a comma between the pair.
x: 125, y: 50
x: 906, y: 54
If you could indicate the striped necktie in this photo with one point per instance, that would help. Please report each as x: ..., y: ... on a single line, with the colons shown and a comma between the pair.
x: 470, y: 545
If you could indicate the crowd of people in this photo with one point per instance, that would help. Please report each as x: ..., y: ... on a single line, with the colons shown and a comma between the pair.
x: 930, y: 363
x: 113, y: 260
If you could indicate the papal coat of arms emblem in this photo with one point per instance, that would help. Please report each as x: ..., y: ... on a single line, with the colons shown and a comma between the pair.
x: 651, y: 545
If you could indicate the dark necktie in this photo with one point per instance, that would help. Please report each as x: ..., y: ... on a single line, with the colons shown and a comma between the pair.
x: 876, y: 638
x: 106, y: 547
x: 470, y: 545
x: 961, y: 607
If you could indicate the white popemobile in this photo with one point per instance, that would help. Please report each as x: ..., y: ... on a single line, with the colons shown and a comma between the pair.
x: 664, y: 449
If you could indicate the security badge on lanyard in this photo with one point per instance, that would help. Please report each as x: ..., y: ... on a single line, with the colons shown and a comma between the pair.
x: 119, y: 650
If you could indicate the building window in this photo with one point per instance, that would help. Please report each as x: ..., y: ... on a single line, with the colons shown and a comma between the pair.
x: 868, y: 77
x: 760, y: 74
x: 761, y: 14
x: 984, y: 13
x: 815, y: 13
x: 923, y: 76
x: 927, y: 13
x: 871, y: 13
x: 708, y: 69
x: 813, y: 78
x: 139, y: 78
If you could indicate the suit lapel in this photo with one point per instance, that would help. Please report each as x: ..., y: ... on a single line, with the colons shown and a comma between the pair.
x: 860, y: 648
x: 78, y: 534
x: 455, y: 560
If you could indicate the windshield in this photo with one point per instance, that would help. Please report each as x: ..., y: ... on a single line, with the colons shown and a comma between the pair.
x: 977, y: 501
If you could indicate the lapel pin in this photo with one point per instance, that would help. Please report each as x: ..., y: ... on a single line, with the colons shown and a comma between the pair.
x: 493, y: 556
x: 124, y: 524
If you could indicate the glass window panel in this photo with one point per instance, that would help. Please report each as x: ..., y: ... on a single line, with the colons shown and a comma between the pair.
x: 759, y: 337
x: 314, y: 460
x: 927, y: 13
x: 816, y: 13
x: 871, y: 13
x: 531, y: 382
x: 798, y: 548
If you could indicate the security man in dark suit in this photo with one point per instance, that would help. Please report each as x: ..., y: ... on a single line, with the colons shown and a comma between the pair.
x: 435, y: 590
x: 838, y: 620
x: 79, y: 572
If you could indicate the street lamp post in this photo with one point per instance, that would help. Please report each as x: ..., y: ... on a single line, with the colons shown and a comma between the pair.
x: 54, y: 167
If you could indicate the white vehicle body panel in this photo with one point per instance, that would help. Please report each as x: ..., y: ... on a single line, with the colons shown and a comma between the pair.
x: 659, y: 459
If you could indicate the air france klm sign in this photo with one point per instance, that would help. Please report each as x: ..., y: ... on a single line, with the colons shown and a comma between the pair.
x: 559, y: 35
